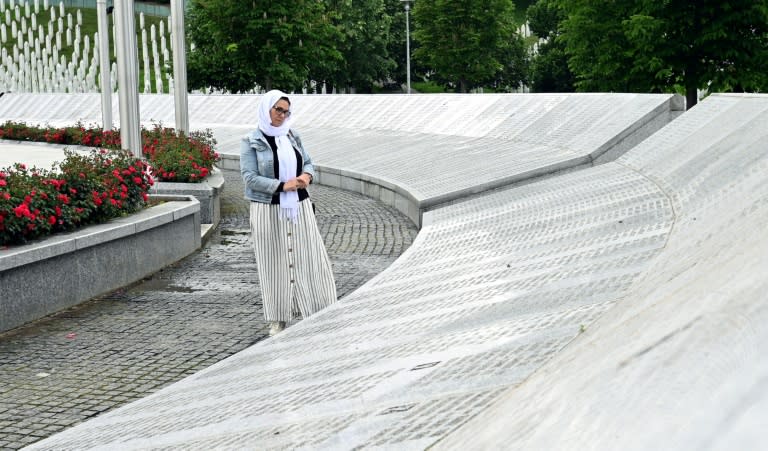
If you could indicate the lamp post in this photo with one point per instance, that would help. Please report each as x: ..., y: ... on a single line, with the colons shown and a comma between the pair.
x: 407, y: 4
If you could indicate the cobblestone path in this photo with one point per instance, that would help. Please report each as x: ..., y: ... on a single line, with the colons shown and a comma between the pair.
x: 107, y: 352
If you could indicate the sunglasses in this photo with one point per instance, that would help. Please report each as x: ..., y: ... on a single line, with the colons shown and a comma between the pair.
x: 286, y: 113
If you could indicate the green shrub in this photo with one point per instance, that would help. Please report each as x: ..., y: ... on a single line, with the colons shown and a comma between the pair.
x: 87, y: 189
x: 173, y: 156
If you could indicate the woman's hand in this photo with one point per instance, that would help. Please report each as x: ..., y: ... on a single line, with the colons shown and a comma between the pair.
x: 294, y: 185
x: 300, y: 182
x: 305, y: 179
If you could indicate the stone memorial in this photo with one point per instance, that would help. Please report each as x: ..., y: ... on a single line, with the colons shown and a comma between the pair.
x: 613, y: 307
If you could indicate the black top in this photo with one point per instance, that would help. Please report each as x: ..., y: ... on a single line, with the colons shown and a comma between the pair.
x: 303, y: 194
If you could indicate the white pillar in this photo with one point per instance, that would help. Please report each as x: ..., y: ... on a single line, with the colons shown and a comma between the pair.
x: 179, y: 49
x: 127, y: 75
x: 105, y: 82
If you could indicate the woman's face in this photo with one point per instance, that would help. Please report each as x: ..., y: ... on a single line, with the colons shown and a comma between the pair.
x: 279, y: 112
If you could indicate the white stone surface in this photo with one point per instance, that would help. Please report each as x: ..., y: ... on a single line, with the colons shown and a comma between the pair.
x: 680, y: 363
x: 487, y: 293
x: 436, y: 148
x: 616, y: 307
x: 42, y: 156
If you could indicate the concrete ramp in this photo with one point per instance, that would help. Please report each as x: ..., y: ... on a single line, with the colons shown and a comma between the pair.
x: 681, y: 362
x: 412, y: 152
x: 488, y: 292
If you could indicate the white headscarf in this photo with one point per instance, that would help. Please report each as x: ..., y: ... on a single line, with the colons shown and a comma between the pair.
x: 289, y: 201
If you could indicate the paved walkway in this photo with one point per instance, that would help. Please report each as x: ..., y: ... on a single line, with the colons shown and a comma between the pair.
x: 105, y: 353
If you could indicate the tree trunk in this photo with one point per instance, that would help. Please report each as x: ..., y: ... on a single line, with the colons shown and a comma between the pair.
x: 691, y: 88
x: 691, y: 96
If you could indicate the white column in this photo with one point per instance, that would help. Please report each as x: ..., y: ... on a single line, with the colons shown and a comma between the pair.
x: 127, y: 76
x: 104, y: 80
x: 179, y: 49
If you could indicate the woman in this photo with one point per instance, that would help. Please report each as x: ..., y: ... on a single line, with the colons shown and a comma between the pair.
x: 293, y: 266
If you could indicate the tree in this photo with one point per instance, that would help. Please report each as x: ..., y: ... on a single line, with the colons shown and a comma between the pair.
x: 723, y: 44
x: 466, y: 43
x: 236, y: 45
x: 549, y: 67
x: 364, y: 28
x: 596, y: 46
x: 664, y: 46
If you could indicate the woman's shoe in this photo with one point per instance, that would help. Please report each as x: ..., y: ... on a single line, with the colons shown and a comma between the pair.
x: 275, y: 327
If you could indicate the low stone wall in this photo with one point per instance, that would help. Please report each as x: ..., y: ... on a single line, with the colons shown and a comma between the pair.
x: 208, y: 192
x: 61, y: 271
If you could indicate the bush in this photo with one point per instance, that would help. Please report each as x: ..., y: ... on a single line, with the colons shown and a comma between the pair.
x: 174, y: 157
x: 88, y: 189
x: 179, y: 158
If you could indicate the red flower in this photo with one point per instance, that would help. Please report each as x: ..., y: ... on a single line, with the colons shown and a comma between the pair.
x: 52, y: 220
x: 137, y: 180
x: 22, y: 210
x: 3, y: 182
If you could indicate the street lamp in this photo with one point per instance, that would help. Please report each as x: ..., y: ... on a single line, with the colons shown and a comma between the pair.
x: 407, y: 4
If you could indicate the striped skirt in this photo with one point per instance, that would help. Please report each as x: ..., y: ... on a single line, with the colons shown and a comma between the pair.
x: 293, y: 265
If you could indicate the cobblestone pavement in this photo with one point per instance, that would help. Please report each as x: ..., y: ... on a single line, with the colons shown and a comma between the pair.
x: 107, y: 352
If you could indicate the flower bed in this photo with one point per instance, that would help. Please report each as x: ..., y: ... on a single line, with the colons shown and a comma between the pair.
x: 87, y: 189
x: 173, y: 157
x: 108, y: 183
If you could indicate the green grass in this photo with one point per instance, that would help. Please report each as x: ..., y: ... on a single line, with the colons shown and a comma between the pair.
x: 427, y: 87
x: 88, y: 28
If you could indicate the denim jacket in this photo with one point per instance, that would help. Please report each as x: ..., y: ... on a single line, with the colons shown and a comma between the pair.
x: 258, y: 168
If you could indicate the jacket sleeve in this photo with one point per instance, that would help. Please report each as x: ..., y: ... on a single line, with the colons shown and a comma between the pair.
x: 249, y: 169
